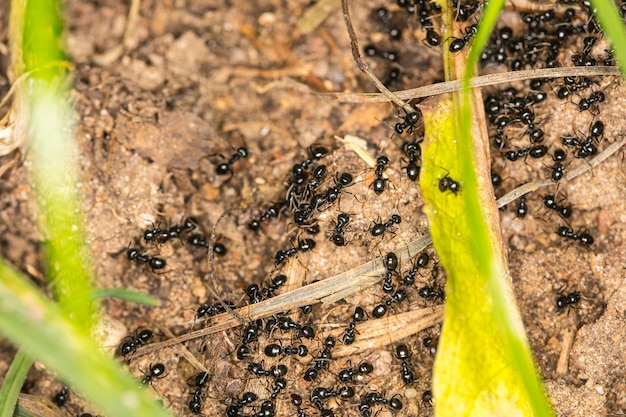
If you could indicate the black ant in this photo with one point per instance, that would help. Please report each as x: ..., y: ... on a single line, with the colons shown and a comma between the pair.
x: 303, y: 189
x: 131, y: 343
x: 432, y: 37
x: 421, y: 262
x: 156, y: 372
x: 285, y: 324
x: 459, y: 43
x: 273, y: 350
x: 557, y: 170
x: 211, y: 310
x: 521, y: 209
x: 427, y: 397
x: 251, y: 333
x: 321, y: 393
x: 372, y: 398
x: 583, y: 59
x: 595, y: 97
x: 332, y: 194
x: 238, y: 403
x: 381, y: 309
x: 321, y: 361
x: 371, y: 50
x: 391, y: 265
x: 296, y: 400
x: 429, y: 293
x: 226, y: 167
x: 243, y: 352
x: 379, y: 183
x: 537, y: 151
x: 152, y: 261
x: 268, y: 409
x: 349, y: 334
x: 496, y: 179
x: 279, y: 385
x: 342, y: 220
x: 161, y: 236
x: 325, y: 355
x: 61, y: 397
x: 408, y: 123
x: 383, y: 14
x: 413, y: 151
x: 315, y: 154
x: 550, y: 202
x: 430, y: 344
x: 586, y: 147
x: 573, y: 84
x: 275, y: 371
x: 301, y: 216
x: 447, y: 183
x: 200, y: 380
x: 584, y: 238
x: 403, y: 354
x: 596, y: 130
x: 273, y: 211
x: 380, y: 228
x: 394, y: 74
x: 304, y: 245
x: 463, y: 11
x: 364, y: 368
x: 567, y: 300
x: 199, y: 241
x: 254, y: 293
x: 277, y: 282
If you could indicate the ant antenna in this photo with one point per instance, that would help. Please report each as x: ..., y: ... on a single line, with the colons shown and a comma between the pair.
x: 216, y: 292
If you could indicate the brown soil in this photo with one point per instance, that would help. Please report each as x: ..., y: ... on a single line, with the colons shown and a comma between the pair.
x: 204, y: 78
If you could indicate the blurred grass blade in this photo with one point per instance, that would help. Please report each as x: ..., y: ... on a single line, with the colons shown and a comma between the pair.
x: 36, y: 323
x: 12, y: 384
x: 53, y: 154
x: 126, y: 295
x: 483, y: 366
x: 613, y: 26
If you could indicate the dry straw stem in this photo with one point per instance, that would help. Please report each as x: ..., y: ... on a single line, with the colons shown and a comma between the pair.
x: 390, y: 329
x: 481, y: 81
x: 117, y: 51
x: 566, y: 347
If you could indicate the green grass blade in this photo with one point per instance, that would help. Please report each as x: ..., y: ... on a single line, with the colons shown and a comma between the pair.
x: 36, y: 323
x: 613, y: 27
x: 13, y: 382
x: 126, y: 295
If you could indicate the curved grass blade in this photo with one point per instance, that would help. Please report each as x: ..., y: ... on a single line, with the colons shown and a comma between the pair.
x: 31, y: 320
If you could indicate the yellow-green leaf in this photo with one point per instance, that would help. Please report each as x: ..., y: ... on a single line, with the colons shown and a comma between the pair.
x: 484, y: 366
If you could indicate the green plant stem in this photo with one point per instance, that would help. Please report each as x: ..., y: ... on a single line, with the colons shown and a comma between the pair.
x: 53, y: 154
